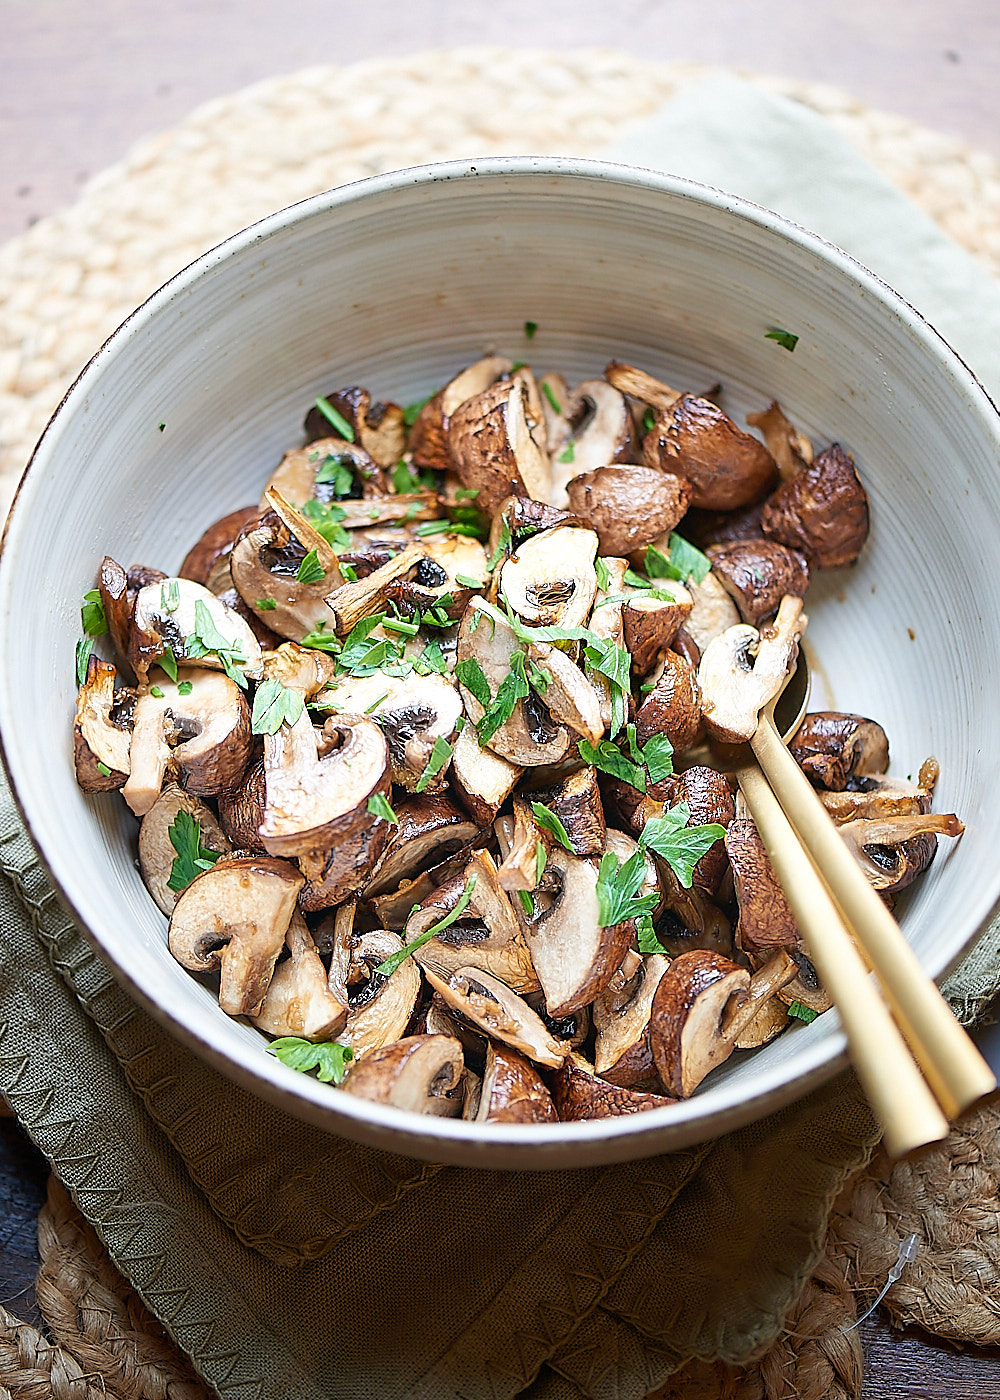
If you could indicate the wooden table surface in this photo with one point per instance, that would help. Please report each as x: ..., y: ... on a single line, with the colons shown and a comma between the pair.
x: 78, y: 84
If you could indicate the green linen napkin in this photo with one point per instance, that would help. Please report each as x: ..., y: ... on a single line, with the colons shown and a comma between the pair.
x: 291, y: 1265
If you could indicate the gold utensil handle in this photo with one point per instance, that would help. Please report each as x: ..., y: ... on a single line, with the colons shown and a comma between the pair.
x: 899, y: 1096
x: 953, y: 1066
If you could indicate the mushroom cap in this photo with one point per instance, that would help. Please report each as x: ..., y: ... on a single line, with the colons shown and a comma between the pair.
x: 156, y: 853
x: 512, y: 1090
x: 629, y: 506
x: 622, y: 1053
x: 295, y: 476
x: 822, y: 511
x: 411, y: 713
x: 597, y: 419
x: 379, y: 428
x: 429, y: 828
x: 726, y: 467
x: 833, y: 749
x: 163, y: 617
x: 380, y: 1007
x: 428, y: 440
x: 685, y: 1027
x: 299, y: 1000
x: 202, y: 561
x: 242, y: 810
x: 491, y: 1005
x: 234, y: 917
x: 491, y: 444
x: 673, y: 706
x: 102, y: 731
x: 743, y: 669
x: 757, y: 574
x: 579, y: 1094
x: 265, y: 562
x: 650, y: 624
x: 482, y: 780
x: 549, y: 580
x: 421, y: 1074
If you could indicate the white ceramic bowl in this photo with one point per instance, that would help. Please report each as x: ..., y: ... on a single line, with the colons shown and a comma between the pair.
x: 395, y: 283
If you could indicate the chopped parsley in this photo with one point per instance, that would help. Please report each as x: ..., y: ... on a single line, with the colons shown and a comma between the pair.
x: 648, y: 419
x: 192, y: 857
x: 157, y: 693
x: 406, y: 479
x: 603, y: 574
x: 92, y: 617
x: 551, y: 822
x: 388, y: 967
x: 328, y: 1058
x: 466, y: 581
x: 431, y: 659
x: 185, y: 688
x: 170, y: 596
x: 784, y: 338
x: 801, y: 1012
x: 167, y: 662
x: 568, y: 453
x: 412, y: 410
x: 470, y: 674
x: 618, y: 888
x: 378, y: 806
x: 680, y: 845
x: 207, y: 638
x: 451, y: 527
x: 554, y: 403
x: 541, y: 860
x: 103, y: 769
x: 275, y: 705
x: 609, y: 758
x: 335, y: 418
x: 265, y: 605
x: 337, y: 472
x: 685, y: 561
x: 503, y: 544
x: 530, y: 327
x: 321, y: 640
x: 84, y: 647
x: 310, y: 570
x: 440, y: 755
x: 325, y: 520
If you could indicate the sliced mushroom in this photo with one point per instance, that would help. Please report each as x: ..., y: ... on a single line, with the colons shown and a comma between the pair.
x: 550, y: 581
x: 429, y: 435
x: 435, y: 581
x: 380, y: 1006
x: 628, y: 506
x: 412, y: 714
x: 685, y: 1029
x: 491, y: 444
x: 709, y: 797
x: 651, y: 624
x: 601, y: 432
x: 757, y: 574
x: 893, y: 851
x: 382, y: 515
x: 673, y: 706
x: 156, y: 851
x: 429, y: 828
x: 299, y: 1000
x: 491, y: 1005
x: 692, y: 920
x: 295, y: 476
x: 352, y: 601
x: 241, y: 811
x: 440, y: 1019
x: 640, y: 385
x: 486, y: 936
x: 743, y: 669
x: 714, y: 612
x: 421, y: 1074
x: 211, y: 554
x: 234, y: 917
x: 512, y: 1090
x: 166, y: 614
x: 379, y: 428
x: 569, y: 697
x: 822, y: 511
x: 102, y: 730
x: 576, y: 801
x: 876, y: 798
x: 518, y: 518
x: 622, y: 1053
x: 579, y: 1094
x: 520, y: 863
x: 481, y: 779
x: 266, y: 562
x: 201, y: 733
x: 117, y: 605
x: 299, y: 668
x: 767, y: 1025
x: 835, y: 750
x: 574, y: 956
x: 789, y: 448
x: 726, y: 467
x: 765, y: 921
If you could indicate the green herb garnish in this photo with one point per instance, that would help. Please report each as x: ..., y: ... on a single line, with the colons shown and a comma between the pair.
x: 470, y: 674
x: 529, y: 329
x: 378, y: 806
x: 551, y: 822
x: 337, y: 472
x: 92, y: 617
x: 648, y: 419
x: 440, y: 755
x: 167, y: 662
x: 541, y: 860
x: 310, y: 570
x: 609, y: 759
x: 568, y: 453
x: 265, y: 605
x: 465, y: 581
x: 800, y: 1012
x: 784, y: 338
x: 84, y: 647
x: 328, y: 1058
x: 185, y: 688
x: 103, y: 769
x: 321, y: 640
x: 157, y: 693
x: 275, y: 705
x: 685, y: 561
x: 184, y: 833
x: 412, y: 410
x: 554, y: 403
x: 398, y: 624
x: 646, y: 940
x: 618, y: 888
x: 207, y: 638
x: 325, y: 520
x: 432, y: 658
x: 388, y: 967
x: 680, y: 845
x: 603, y: 574
x: 335, y: 418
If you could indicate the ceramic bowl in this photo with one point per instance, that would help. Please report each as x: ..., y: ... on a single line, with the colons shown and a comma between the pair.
x: 395, y: 283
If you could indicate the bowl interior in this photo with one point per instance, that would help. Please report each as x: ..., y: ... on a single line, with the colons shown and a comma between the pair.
x: 397, y: 283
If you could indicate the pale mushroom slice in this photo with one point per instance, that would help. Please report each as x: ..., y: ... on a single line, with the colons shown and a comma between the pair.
x: 517, y: 519
x: 379, y: 428
x: 266, y: 563
x: 299, y: 668
x: 481, y: 779
x: 421, y: 1074
x: 622, y: 1053
x: 380, y: 1007
x: 743, y: 669
x: 102, y: 730
x: 726, y: 467
x: 569, y: 697
x: 299, y: 1000
x: 701, y: 1007
x: 156, y: 850
x: 580, y: 1094
x: 234, y: 918
x: 893, y: 851
x: 576, y: 801
x: 494, y: 452
x: 601, y: 432
x: 428, y: 441
x: 713, y: 611
x: 573, y: 955
x: 491, y: 1005
x: 486, y: 936
x: 640, y: 385
x: 836, y: 750
x: 196, y: 625
x: 512, y: 1090
x: 549, y: 580
x: 629, y: 506
x: 197, y: 727
x: 876, y: 797
x: 295, y: 477
x: 429, y: 828
x: 413, y: 714
x: 453, y: 566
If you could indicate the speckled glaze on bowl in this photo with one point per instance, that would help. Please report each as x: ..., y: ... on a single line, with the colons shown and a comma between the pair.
x: 395, y: 283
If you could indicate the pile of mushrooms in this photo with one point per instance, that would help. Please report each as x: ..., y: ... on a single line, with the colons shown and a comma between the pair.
x: 429, y: 746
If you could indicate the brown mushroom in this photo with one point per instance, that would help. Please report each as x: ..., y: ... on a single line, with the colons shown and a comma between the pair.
x: 329, y: 470
x: 640, y: 385
x: 421, y: 1074
x: 435, y: 579
x: 673, y: 706
x: 428, y: 440
x: 352, y: 601
x: 195, y: 625
x: 822, y: 511
x: 579, y: 1094
x: 576, y: 801
x: 491, y: 1005
x: 234, y: 917
x: 429, y: 827
x: 743, y: 669
x: 549, y: 580
x: 876, y: 797
x: 726, y: 467
x: 836, y: 750
x: 517, y: 519
x: 789, y: 448
x: 299, y: 1000
x: 628, y: 506
x: 766, y: 920
x: 622, y: 1053
x: 512, y: 1090
x: 379, y: 428
x: 481, y: 779
x: 117, y: 604
x: 651, y: 622
x: 157, y: 853
x: 413, y: 713
x: 893, y: 851
x: 380, y: 1006
x: 757, y: 574
x: 203, y: 560
x: 493, y: 449
x: 102, y: 730
x: 241, y: 810
x: 597, y: 429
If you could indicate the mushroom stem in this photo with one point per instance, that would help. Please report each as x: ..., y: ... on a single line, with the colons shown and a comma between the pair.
x: 743, y: 1007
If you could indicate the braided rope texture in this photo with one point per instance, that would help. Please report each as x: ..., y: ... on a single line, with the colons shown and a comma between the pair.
x: 67, y: 282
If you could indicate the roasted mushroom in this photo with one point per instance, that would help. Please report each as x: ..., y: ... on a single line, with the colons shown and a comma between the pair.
x: 157, y: 852
x: 578, y: 1094
x: 744, y: 668
x: 726, y: 467
x: 494, y: 451
x: 421, y: 1074
x: 821, y: 511
x: 839, y: 750
x: 629, y: 506
x: 102, y: 730
x: 757, y: 574
x: 549, y: 580
x: 299, y: 1000
x: 512, y: 1090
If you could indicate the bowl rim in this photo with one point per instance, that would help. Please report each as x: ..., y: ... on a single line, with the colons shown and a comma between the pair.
x: 444, y: 1139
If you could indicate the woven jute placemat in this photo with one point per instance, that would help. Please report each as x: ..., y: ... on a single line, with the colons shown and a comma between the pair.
x: 70, y: 280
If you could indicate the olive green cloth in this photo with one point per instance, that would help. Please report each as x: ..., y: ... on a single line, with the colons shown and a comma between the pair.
x: 293, y: 1266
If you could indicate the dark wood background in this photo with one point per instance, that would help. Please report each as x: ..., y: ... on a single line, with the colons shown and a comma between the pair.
x: 80, y: 83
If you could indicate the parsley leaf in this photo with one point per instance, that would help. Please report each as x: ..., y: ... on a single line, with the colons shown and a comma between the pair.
x: 207, y: 638
x: 95, y: 624
x: 104, y: 769
x: 801, y: 1012
x: 685, y: 561
x: 648, y: 419
x: 555, y: 405
x: 336, y: 472
x: 529, y: 329
x: 321, y: 640
x: 440, y: 755
x: 432, y: 658
x: 167, y: 662
x: 310, y: 570
x: 412, y: 410
x: 604, y: 656
x: 647, y: 940
x: 618, y: 887
x: 784, y: 338
x: 84, y: 647
x: 157, y: 693
x: 378, y: 806
x: 513, y: 687
x: 465, y: 581
x: 265, y: 605
x: 275, y: 705
x: 551, y: 822
x: 609, y: 759
x: 451, y: 527
x: 657, y: 756
x: 680, y: 845
x: 185, y: 688
x: 470, y: 674
x: 328, y: 1058
x: 335, y: 418
x: 568, y: 453
x: 325, y: 520
x: 192, y: 857
x: 503, y: 544
x: 541, y: 860
x: 170, y: 595
x: 388, y: 967
x: 603, y: 574
x: 527, y: 903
